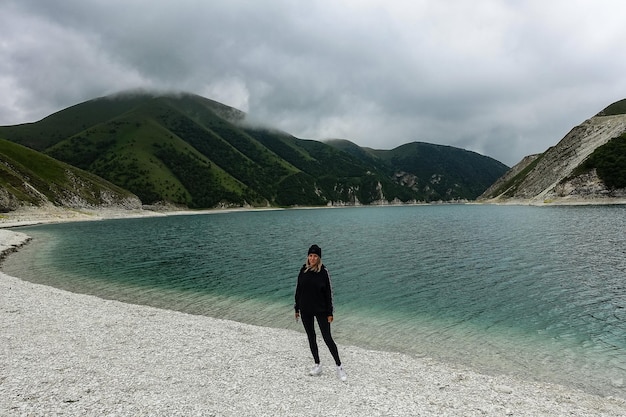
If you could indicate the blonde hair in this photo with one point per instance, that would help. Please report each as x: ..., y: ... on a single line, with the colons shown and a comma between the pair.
x: 314, y: 268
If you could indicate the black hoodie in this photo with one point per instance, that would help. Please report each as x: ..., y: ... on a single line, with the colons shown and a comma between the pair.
x: 314, y: 293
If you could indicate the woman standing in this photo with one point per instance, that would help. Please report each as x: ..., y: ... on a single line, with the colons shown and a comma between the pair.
x: 314, y: 300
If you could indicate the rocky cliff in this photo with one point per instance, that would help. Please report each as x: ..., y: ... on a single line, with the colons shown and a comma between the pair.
x: 552, y: 177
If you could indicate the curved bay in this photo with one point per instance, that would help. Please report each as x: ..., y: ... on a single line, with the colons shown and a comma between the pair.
x: 535, y: 291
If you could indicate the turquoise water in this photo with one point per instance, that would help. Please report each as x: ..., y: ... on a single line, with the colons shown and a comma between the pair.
x: 538, y: 292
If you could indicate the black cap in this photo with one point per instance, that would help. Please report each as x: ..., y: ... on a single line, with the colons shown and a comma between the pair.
x: 316, y: 250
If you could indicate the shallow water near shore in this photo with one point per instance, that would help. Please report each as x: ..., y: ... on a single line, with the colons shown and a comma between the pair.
x: 538, y: 292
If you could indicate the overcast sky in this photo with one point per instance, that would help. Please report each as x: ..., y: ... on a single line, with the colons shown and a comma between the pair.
x: 503, y: 78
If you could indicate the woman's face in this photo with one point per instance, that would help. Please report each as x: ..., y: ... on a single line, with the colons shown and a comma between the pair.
x: 313, y: 259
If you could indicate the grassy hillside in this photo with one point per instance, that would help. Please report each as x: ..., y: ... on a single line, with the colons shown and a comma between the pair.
x: 366, y: 155
x: 75, y: 119
x: 31, y: 178
x: 442, y: 172
x: 188, y: 150
x: 619, y: 107
x: 145, y: 151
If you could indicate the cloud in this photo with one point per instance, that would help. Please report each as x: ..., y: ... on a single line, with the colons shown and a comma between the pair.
x: 505, y: 79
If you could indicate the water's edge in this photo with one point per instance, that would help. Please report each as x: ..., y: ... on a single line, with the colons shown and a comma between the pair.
x: 475, y: 338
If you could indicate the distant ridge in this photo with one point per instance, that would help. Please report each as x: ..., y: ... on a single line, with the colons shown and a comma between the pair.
x: 190, y: 151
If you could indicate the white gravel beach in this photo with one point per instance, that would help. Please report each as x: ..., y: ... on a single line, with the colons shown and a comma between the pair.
x: 77, y: 355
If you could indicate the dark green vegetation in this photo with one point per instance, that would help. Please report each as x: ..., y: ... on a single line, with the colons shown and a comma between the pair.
x: 609, y: 159
x: 610, y: 162
x: 30, y: 177
x: 619, y: 107
x: 191, y: 151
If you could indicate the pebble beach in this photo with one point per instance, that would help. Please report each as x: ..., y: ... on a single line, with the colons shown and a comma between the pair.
x: 71, y: 354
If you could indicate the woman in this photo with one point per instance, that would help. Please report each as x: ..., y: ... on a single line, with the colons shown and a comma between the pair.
x: 314, y: 300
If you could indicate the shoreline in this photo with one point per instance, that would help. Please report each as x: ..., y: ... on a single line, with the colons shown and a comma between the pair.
x: 45, y: 215
x: 77, y: 354
x: 29, y: 216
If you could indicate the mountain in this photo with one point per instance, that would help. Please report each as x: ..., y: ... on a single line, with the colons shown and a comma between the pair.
x: 429, y: 169
x: 28, y: 177
x: 587, y: 165
x: 190, y: 151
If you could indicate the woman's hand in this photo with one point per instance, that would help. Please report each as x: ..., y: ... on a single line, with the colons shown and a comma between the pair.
x: 330, y: 319
x: 297, y: 316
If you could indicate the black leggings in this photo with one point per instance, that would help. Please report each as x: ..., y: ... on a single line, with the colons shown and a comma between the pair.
x: 309, y: 326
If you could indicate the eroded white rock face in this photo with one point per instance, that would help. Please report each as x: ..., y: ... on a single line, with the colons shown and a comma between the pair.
x: 550, y: 178
x: 586, y: 185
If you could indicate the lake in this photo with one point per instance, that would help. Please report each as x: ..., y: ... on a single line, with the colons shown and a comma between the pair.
x: 538, y: 292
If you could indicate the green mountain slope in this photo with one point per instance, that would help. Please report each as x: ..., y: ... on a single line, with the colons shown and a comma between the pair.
x: 619, y: 107
x: 433, y: 172
x: 188, y: 150
x: 445, y: 171
x: 28, y: 177
x: 160, y: 154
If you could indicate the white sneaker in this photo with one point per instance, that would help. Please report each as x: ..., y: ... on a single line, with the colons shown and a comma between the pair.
x: 316, y: 370
x: 341, y: 373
